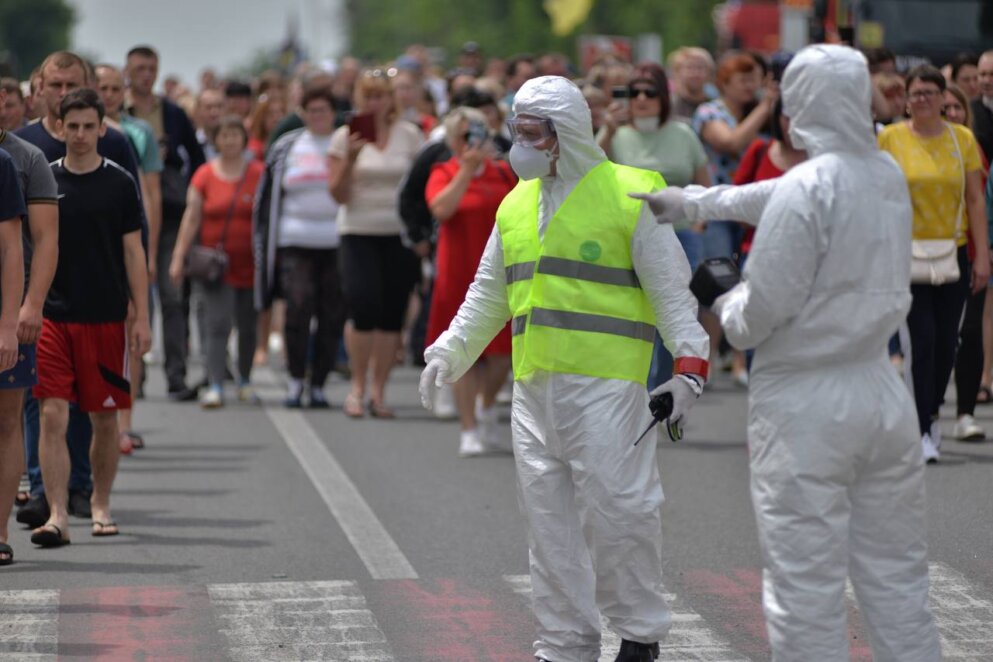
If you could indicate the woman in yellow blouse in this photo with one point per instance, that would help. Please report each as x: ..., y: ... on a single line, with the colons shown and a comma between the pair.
x: 944, y: 175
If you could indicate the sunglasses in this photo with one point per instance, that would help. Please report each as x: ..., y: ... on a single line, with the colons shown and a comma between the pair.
x: 649, y: 92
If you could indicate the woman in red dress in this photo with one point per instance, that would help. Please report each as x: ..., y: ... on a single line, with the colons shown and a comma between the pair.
x: 463, y: 194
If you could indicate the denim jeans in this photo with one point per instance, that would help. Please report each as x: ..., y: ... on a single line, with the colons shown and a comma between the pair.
x: 78, y: 437
x: 722, y: 239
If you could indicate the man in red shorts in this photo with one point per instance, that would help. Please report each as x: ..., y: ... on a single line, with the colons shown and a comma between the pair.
x: 82, y: 351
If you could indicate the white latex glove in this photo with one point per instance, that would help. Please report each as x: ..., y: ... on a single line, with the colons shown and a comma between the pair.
x: 668, y: 205
x: 435, y: 373
x: 684, y: 390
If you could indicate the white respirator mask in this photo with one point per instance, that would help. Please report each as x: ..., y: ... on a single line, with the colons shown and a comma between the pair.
x: 529, y: 162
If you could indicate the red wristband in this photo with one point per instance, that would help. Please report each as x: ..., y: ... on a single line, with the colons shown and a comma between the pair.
x: 691, y: 364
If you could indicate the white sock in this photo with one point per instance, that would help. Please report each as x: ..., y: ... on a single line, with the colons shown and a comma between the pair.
x: 294, y: 388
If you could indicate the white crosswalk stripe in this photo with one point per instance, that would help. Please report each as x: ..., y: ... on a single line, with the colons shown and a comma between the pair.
x: 964, y: 619
x: 689, y: 639
x: 29, y: 626
x: 331, y: 620
x: 326, y: 620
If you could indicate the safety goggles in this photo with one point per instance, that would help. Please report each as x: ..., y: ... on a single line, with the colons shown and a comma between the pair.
x: 530, y: 131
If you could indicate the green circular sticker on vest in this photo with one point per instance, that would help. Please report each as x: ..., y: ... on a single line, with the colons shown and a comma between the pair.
x: 590, y: 251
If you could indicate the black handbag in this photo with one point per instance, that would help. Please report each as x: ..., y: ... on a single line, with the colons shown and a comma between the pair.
x: 714, y: 277
x: 209, y: 265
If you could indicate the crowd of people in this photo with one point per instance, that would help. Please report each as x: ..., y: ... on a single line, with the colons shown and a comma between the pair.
x: 342, y: 215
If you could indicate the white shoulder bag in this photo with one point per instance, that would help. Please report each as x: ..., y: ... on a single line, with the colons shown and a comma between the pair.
x: 935, y: 261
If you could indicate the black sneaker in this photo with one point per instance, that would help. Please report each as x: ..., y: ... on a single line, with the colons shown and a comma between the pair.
x: 183, y: 393
x: 632, y: 651
x: 35, y: 512
x: 318, y: 399
x: 79, y: 504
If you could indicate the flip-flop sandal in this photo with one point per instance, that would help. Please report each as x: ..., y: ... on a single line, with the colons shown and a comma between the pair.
x: 104, y: 529
x: 985, y: 396
x: 353, y: 407
x: 379, y: 410
x: 6, y: 554
x: 48, y: 535
x: 22, y: 498
x: 137, y: 441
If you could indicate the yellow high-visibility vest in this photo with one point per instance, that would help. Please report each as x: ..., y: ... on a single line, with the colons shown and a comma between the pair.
x: 575, y: 301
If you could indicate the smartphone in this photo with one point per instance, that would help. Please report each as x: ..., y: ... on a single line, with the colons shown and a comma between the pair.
x: 477, y: 134
x: 621, y: 94
x: 364, y: 126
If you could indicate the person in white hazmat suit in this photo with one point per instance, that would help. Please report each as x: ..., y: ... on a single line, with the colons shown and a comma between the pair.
x: 586, y: 279
x: 837, y: 475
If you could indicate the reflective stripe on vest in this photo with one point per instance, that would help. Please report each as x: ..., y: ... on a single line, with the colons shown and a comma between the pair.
x: 558, y: 266
x: 576, y: 303
x: 563, y: 319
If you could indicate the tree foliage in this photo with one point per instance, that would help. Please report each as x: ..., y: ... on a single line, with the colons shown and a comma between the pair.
x: 380, y: 29
x: 30, y: 30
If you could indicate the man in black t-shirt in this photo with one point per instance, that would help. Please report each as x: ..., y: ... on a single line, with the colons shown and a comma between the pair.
x: 62, y: 72
x: 82, y: 352
x: 12, y: 210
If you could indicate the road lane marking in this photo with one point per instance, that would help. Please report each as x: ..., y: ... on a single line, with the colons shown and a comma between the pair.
x: 321, y: 620
x: 689, y: 638
x: 29, y: 626
x: 367, y: 534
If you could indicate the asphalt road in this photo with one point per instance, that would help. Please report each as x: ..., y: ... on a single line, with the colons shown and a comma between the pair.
x: 262, y: 534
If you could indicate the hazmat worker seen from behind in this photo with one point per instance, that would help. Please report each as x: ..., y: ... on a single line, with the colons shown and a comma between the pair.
x: 578, y: 269
x: 837, y: 472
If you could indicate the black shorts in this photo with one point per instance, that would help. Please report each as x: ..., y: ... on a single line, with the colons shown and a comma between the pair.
x: 377, y: 276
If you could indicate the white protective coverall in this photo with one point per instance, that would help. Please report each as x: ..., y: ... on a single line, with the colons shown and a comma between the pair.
x: 590, y: 496
x: 837, y: 476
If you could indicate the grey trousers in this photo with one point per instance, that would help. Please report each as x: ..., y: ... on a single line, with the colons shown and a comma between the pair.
x: 226, y: 307
x: 174, y: 303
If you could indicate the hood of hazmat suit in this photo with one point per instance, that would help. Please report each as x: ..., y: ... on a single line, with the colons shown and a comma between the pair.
x: 587, y: 492
x: 837, y: 473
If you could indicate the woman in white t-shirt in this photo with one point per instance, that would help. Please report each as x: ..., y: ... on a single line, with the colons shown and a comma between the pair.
x: 378, y: 272
x: 301, y: 233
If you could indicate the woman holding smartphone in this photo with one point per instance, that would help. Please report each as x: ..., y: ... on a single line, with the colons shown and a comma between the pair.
x: 463, y: 194
x: 378, y: 271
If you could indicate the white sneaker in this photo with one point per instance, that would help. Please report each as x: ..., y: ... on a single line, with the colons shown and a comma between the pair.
x: 470, y: 444
x: 211, y: 399
x: 930, y: 449
x: 488, y: 425
x: 936, y: 433
x: 444, y: 403
x: 966, y: 429
x: 275, y: 343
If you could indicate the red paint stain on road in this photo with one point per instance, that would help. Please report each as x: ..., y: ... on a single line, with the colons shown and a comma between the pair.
x: 860, y: 650
x: 739, y: 599
x: 133, y: 623
x: 447, y: 619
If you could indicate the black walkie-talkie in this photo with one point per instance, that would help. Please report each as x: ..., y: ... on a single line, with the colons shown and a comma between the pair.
x: 661, y: 408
